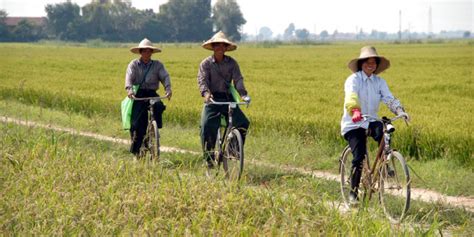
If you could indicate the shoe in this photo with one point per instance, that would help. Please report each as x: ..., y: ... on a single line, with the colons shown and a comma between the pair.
x: 210, y: 164
x: 353, y: 199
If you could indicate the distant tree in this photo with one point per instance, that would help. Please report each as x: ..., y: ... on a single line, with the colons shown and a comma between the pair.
x: 64, y: 20
x: 289, y: 32
x: 97, y: 20
x: 265, y: 33
x: 126, y: 22
x: 382, y: 35
x: 25, y: 31
x: 374, y: 34
x: 334, y: 34
x: 186, y: 20
x: 158, y: 29
x: 324, y: 34
x: 4, y: 33
x: 466, y: 34
x: 302, y: 34
x: 361, y: 34
x: 228, y: 18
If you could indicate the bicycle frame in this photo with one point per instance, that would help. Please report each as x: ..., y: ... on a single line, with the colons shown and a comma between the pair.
x: 151, y: 119
x: 383, y: 151
x: 152, y: 100
x: 229, y: 151
x: 231, y: 106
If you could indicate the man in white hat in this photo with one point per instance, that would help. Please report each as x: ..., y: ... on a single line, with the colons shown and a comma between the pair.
x: 216, y: 73
x: 364, y: 90
x: 147, y: 74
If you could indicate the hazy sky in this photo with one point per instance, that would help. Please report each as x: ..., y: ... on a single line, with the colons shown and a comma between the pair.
x: 315, y: 16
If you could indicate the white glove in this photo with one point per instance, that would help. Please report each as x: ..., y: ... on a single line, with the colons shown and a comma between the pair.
x: 246, y: 98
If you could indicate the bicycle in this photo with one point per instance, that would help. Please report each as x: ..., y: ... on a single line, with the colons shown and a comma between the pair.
x: 151, y: 140
x: 230, y: 150
x: 388, y: 176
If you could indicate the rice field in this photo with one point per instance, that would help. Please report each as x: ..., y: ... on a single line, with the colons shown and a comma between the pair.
x: 54, y: 183
x: 295, y: 89
x: 57, y: 184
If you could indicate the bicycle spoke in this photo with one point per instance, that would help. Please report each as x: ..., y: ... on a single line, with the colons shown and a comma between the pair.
x: 233, y: 159
x: 395, y: 187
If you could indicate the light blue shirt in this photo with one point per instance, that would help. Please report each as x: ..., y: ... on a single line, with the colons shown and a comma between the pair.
x: 370, y: 91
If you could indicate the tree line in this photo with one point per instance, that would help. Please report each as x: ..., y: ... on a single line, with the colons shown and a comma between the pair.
x: 118, y: 21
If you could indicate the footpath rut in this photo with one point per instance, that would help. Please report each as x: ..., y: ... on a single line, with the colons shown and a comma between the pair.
x: 416, y: 193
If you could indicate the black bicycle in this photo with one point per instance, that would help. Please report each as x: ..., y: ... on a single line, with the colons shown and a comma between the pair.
x: 151, y: 141
x: 229, y: 152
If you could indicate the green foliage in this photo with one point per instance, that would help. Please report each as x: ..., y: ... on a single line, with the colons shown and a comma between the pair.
x: 177, y: 21
x: 187, y: 20
x: 4, y: 33
x: 228, y: 18
x: 25, y: 31
x: 64, y: 20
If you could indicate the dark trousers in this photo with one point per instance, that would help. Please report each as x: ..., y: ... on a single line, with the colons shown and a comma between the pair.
x: 357, y: 139
x: 139, y: 120
x: 210, y: 122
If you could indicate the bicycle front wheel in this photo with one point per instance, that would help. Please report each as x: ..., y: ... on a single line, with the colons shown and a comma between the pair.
x: 153, y: 140
x: 395, y: 187
x: 233, y: 157
x: 345, y: 170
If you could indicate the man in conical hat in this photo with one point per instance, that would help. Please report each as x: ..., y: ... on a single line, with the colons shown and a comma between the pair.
x: 364, y: 90
x: 147, y: 74
x: 215, y: 76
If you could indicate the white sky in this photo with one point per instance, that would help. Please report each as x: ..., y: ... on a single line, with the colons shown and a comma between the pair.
x: 315, y: 16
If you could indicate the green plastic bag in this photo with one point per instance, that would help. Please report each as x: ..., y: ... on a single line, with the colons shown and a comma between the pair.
x: 127, y: 105
x: 236, y: 97
x: 126, y: 110
x: 234, y: 93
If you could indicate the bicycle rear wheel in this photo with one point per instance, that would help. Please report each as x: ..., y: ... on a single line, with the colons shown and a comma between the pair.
x: 395, y: 187
x: 153, y: 140
x: 217, y: 154
x: 233, y: 157
x: 345, y: 170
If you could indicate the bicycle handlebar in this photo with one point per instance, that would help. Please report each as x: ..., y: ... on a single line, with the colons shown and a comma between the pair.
x: 227, y: 103
x: 150, y: 98
x: 366, y: 117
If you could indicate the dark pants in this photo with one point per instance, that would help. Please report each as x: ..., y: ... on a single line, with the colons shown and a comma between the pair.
x: 139, y: 120
x: 357, y: 139
x: 210, y: 122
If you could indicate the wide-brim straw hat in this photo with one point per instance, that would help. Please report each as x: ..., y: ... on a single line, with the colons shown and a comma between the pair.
x: 219, y: 37
x: 369, y: 52
x: 145, y: 44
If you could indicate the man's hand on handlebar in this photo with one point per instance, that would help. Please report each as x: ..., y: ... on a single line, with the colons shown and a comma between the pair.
x: 207, y: 97
x: 246, y: 99
x: 131, y: 95
x: 169, y: 94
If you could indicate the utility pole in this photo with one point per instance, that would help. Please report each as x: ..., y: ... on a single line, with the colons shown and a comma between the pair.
x: 400, y: 25
x: 430, y: 24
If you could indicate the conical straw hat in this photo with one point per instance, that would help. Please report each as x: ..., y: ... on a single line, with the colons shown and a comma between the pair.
x: 145, y: 44
x: 369, y: 52
x: 219, y: 37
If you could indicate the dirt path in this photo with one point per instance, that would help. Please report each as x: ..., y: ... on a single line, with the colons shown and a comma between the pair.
x: 416, y: 193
